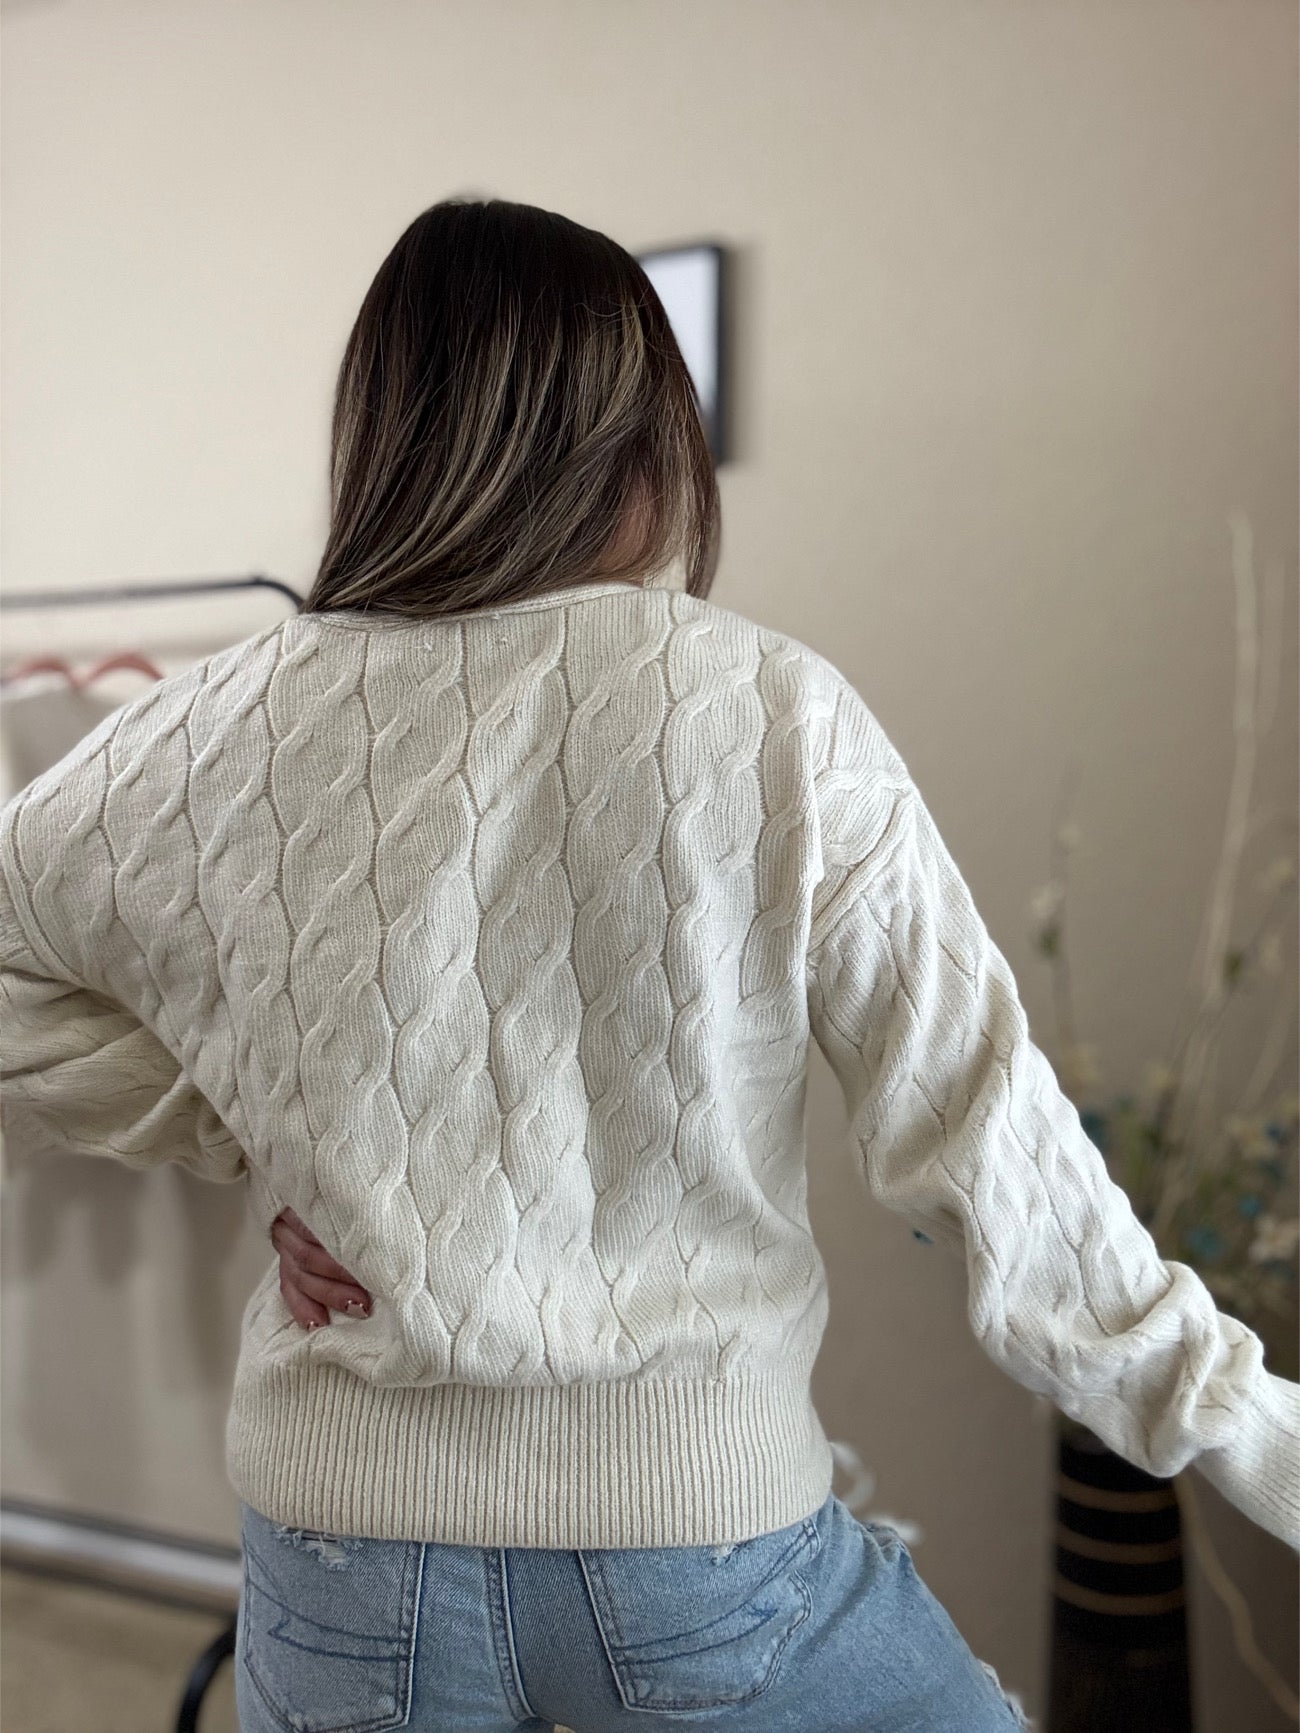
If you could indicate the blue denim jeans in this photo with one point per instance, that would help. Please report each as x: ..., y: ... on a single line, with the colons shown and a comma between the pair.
x: 822, y: 1627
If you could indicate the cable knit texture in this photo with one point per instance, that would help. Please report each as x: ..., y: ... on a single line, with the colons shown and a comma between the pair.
x: 492, y: 944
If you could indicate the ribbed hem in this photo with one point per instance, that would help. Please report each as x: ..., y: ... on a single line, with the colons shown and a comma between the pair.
x: 628, y: 1464
x: 1259, y: 1471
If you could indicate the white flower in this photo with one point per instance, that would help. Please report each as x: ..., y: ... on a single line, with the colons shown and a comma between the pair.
x: 1081, y: 1059
x: 1046, y: 902
x: 1277, y: 873
x: 1270, y: 954
x: 1274, y: 1238
x: 1159, y: 1078
x: 1248, y: 1133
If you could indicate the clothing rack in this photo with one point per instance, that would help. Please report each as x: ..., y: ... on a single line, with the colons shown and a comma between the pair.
x: 142, y: 592
x: 205, y: 1668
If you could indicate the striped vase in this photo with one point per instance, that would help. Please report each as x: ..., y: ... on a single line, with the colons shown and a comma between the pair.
x: 1119, y: 1657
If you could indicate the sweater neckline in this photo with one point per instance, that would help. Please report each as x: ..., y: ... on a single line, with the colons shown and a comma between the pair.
x: 363, y: 618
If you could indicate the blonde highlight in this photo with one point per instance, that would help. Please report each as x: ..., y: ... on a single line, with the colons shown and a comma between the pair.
x: 512, y: 414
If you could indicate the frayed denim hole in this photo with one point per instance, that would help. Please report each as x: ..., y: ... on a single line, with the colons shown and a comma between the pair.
x: 331, y: 1549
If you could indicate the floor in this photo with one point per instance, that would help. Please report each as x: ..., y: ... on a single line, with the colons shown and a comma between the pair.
x: 75, y: 1657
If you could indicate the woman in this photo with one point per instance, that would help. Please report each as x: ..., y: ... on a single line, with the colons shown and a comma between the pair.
x: 478, y: 917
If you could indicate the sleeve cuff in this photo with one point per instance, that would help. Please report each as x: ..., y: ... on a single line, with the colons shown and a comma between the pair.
x: 1259, y: 1471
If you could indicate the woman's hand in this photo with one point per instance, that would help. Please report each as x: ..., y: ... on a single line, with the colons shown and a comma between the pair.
x: 313, y: 1285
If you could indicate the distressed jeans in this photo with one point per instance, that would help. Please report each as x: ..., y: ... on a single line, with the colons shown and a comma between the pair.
x: 822, y: 1627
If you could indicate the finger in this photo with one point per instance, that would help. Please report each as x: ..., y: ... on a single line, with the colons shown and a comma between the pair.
x: 338, y: 1296
x: 298, y: 1225
x: 313, y: 1258
x: 304, y: 1311
x: 285, y: 1239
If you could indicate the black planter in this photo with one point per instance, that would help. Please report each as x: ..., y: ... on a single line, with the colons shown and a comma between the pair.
x: 1119, y: 1659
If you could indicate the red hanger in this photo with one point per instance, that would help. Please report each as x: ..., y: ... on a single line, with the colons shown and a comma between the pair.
x: 124, y: 659
x: 56, y: 665
x: 42, y: 665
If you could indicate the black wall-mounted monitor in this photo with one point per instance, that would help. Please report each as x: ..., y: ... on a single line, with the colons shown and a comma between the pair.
x: 689, y: 280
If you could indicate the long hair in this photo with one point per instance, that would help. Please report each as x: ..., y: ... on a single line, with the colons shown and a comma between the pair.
x: 513, y: 414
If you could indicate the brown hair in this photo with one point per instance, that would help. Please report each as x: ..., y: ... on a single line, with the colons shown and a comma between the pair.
x: 513, y: 414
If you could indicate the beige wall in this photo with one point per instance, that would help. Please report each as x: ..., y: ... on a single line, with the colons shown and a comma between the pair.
x: 1017, y: 330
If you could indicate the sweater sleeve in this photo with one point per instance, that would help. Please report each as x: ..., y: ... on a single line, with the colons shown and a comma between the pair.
x: 82, y: 1074
x: 963, y: 1129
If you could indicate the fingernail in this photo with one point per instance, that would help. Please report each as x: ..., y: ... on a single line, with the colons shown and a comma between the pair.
x: 356, y: 1310
x: 313, y: 1324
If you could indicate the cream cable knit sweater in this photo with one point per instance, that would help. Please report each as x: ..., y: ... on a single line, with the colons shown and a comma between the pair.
x: 492, y: 944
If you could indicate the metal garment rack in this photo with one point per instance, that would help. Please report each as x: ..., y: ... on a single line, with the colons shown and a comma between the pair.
x: 142, y: 592
x: 205, y: 1668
